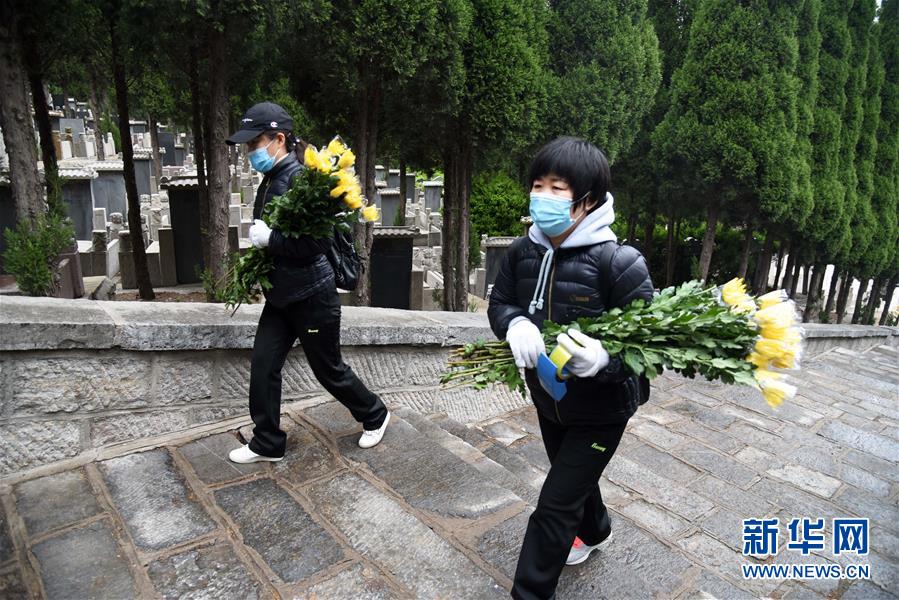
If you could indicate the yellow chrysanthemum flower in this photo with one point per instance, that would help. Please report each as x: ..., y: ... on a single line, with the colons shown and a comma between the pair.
x: 346, y: 178
x: 327, y: 159
x: 336, y: 146
x: 734, y: 294
x: 733, y: 290
x: 758, y: 360
x: 353, y: 200
x: 371, y: 213
x: 310, y: 157
x: 771, y: 298
x: 778, y: 316
x: 340, y: 189
x: 775, y: 392
x: 781, y: 354
x: 347, y: 159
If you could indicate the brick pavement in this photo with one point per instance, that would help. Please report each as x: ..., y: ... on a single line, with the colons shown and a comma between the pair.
x: 439, y: 508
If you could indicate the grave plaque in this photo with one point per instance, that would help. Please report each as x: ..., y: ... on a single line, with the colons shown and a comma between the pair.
x: 184, y: 212
x: 109, y: 187
x: 433, y: 195
x: 167, y: 141
x: 78, y: 197
x: 391, y: 267
x: 393, y: 178
x: 495, y: 248
x: 390, y: 206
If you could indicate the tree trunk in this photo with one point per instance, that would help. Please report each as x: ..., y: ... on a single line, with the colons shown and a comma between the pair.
x: 15, y: 120
x: 708, y: 241
x: 763, y: 266
x: 403, y: 190
x: 873, y: 301
x: 805, y: 279
x: 859, y: 300
x: 787, y: 282
x: 456, y: 222
x: 831, y: 297
x: 368, y: 106
x: 632, y: 226
x: 648, y: 246
x: 32, y: 61
x: 887, y: 298
x: 154, y: 142
x: 196, y: 96
x: 845, y: 287
x: 780, y: 262
x: 219, y: 175
x: 794, y: 283
x: 98, y: 135
x: 671, y: 252
x: 138, y: 253
x: 744, y: 254
x: 812, y: 302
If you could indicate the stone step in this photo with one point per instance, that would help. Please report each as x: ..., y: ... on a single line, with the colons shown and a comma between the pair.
x: 864, y: 359
x: 517, y: 459
x: 842, y: 375
x: 468, y: 453
x: 891, y: 352
x: 866, y: 366
x: 847, y: 372
x: 427, y: 475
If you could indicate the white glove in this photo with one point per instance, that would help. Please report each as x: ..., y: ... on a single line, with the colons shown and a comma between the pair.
x: 588, y: 357
x: 526, y: 342
x: 260, y: 233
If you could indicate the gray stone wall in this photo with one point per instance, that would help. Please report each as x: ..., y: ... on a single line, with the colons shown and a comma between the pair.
x: 78, y: 375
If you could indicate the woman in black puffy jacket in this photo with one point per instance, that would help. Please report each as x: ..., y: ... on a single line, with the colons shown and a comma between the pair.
x: 569, y: 266
x: 302, y: 303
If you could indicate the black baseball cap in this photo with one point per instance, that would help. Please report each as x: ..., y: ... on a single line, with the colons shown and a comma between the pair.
x: 261, y: 117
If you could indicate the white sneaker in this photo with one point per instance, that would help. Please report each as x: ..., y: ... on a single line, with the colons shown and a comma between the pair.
x: 581, y: 551
x: 373, y: 437
x: 244, y: 455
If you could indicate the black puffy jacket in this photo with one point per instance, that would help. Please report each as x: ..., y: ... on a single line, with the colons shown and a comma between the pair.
x: 301, y: 267
x: 581, y: 281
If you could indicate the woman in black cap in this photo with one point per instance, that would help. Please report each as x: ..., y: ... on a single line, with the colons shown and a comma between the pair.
x: 302, y: 303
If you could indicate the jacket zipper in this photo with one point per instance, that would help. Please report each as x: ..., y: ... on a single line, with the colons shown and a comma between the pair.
x: 549, y: 313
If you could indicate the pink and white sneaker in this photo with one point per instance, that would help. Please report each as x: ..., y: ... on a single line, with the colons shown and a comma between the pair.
x: 581, y: 551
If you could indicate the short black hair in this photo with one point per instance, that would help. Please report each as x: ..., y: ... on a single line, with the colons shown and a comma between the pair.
x: 578, y: 162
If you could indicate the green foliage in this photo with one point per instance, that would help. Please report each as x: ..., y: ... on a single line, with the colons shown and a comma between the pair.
x: 33, y: 249
x: 306, y: 209
x: 497, y: 204
x: 474, y: 250
x: 607, y: 67
x: 884, y: 256
x: 685, y: 329
x: 733, y: 110
x: 825, y: 227
x: 864, y: 225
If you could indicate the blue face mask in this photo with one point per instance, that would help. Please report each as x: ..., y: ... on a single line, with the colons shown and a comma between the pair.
x: 261, y: 160
x: 551, y: 214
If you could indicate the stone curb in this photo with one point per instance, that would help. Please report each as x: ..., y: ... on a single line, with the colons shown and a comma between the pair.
x: 56, y: 324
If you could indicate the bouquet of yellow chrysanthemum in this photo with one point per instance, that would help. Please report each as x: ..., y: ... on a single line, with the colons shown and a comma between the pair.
x: 722, y: 333
x: 324, y: 195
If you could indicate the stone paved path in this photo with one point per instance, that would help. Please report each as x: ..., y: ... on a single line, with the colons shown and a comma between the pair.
x: 438, y: 510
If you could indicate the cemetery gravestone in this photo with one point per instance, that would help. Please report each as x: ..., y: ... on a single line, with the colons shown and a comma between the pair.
x: 496, y: 248
x: 390, y: 205
x: 109, y: 187
x: 184, y: 211
x: 391, y: 267
x: 433, y: 195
